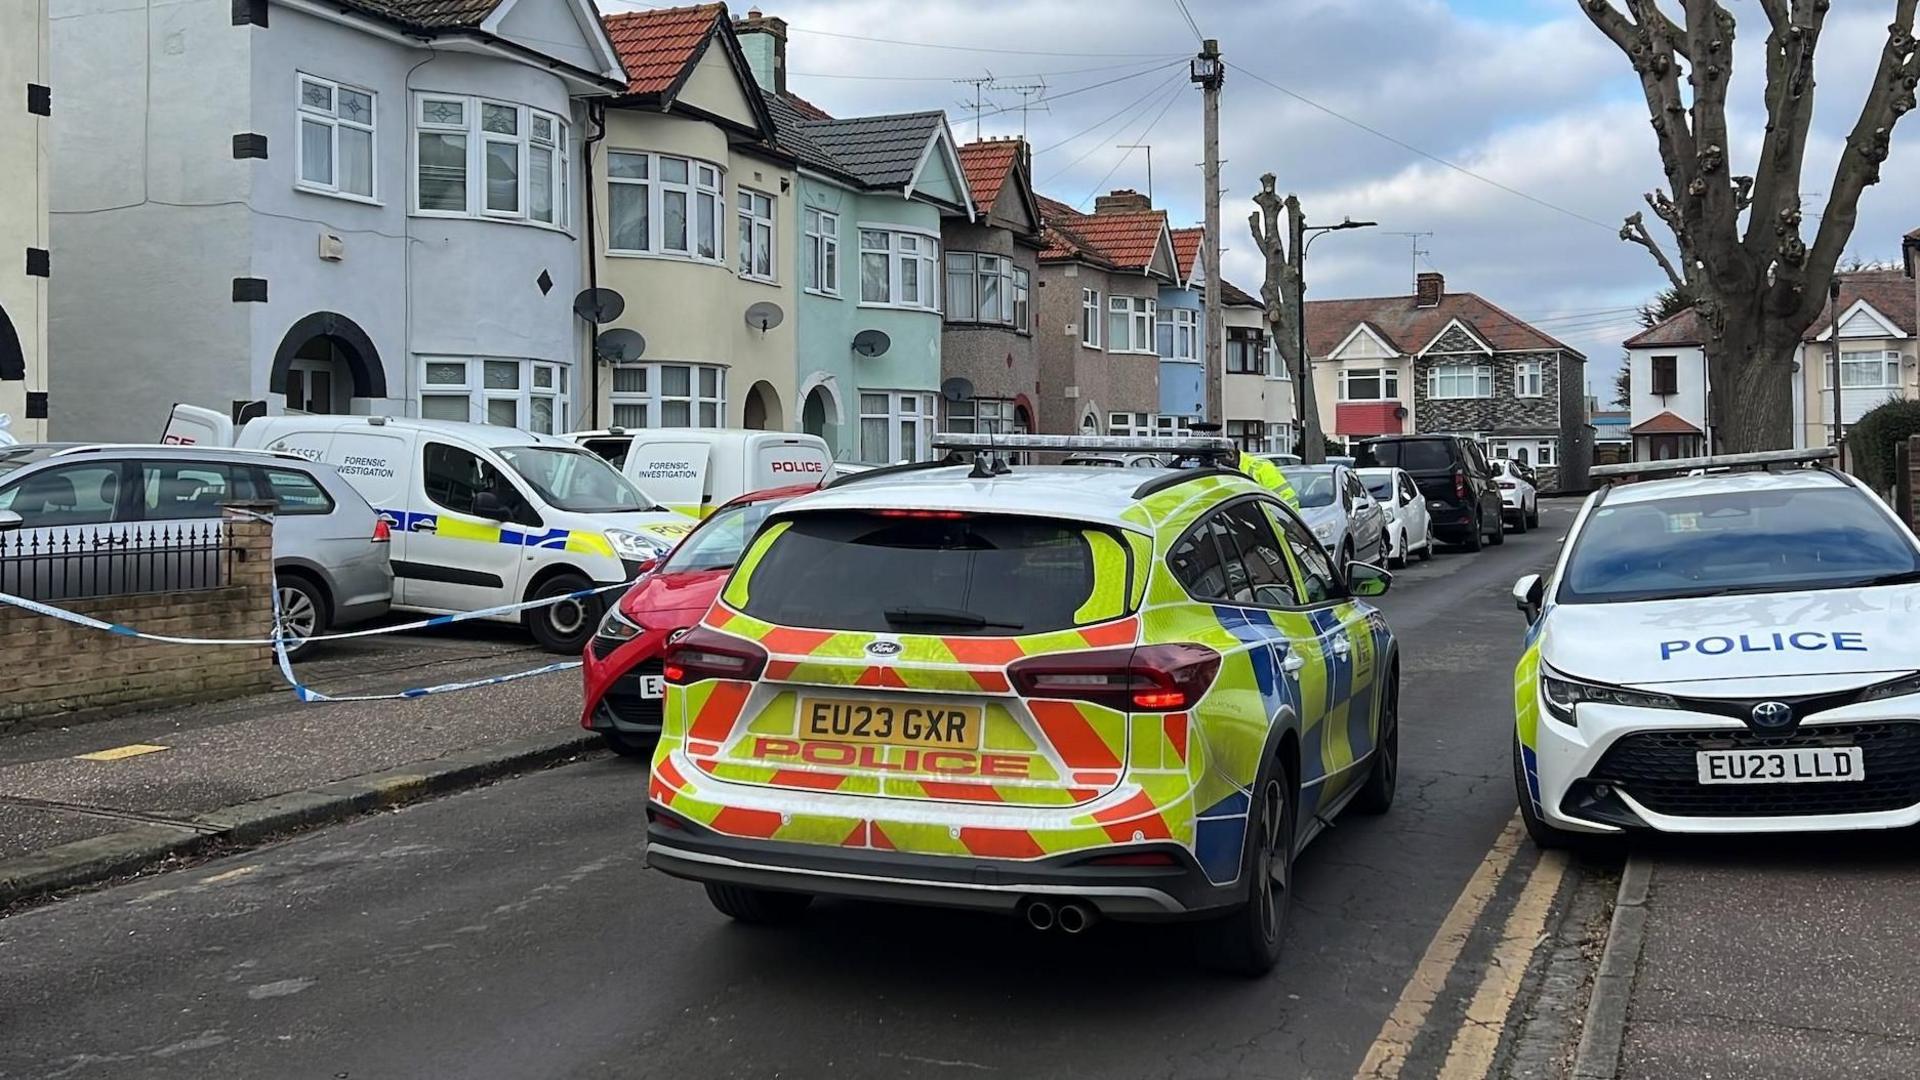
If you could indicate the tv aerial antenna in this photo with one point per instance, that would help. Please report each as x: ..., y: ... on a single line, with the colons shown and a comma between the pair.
x: 1418, y: 251
x: 1032, y: 97
x: 980, y: 86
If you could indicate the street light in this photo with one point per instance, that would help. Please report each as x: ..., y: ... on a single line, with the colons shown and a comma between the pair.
x: 1312, y: 233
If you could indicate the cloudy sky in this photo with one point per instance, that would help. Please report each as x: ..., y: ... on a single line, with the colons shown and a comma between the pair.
x: 1522, y: 94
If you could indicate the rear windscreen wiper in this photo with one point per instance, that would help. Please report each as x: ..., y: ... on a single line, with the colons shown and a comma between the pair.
x: 942, y: 617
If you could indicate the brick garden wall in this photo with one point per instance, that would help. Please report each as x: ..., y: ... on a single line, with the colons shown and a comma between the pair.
x: 54, y: 672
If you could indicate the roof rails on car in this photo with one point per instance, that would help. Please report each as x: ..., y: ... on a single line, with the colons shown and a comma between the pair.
x: 98, y: 448
x: 1162, y: 483
x: 1764, y: 460
x: 893, y: 470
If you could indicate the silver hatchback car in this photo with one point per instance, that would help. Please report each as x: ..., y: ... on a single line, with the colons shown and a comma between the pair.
x: 81, y: 519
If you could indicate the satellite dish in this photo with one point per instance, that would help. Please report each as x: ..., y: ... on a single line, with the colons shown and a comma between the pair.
x: 955, y: 389
x: 599, y: 306
x: 1400, y: 412
x: 765, y: 315
x: 872, y: 343
x: 620, y: 346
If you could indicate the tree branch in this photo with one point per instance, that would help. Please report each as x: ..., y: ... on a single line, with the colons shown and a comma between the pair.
x: 1711, y: 199
x: 1789, y: 102
x: 1635, y: 232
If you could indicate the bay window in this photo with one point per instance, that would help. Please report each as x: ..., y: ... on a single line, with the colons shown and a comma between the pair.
x: 1369, y: 384
x: 1130, y: 324
x: 987, y: 289
x: 899, y: 269
x: 1179, y: 334
x: 335, y: 149
x: 1090, y: 318
x: 658, y: 204
x: 756, y: 235
x: 1248, y: 435
x: 473, y: 157
x: 669, y: 396
x: 820, y: 268
x: 1871, y: 369
x: 984, y: 416
x: 1460, y: 381
x: 895, y: 425
x: 1529, y: 378
x: 529, y: 394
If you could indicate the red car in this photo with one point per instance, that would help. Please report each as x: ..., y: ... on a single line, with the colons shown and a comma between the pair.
x: 622, y: 661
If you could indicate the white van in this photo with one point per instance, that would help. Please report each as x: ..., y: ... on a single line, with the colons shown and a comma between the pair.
x: 695, y: 470
x: 481, y: 516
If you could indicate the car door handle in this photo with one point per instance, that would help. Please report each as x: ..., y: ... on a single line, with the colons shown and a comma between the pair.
x: 1293, y: 662
x: 1341, y: 648
x: 423, y: 526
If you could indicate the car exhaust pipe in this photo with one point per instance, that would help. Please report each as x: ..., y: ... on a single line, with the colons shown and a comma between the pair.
x: 1074, y: 918
x: 1040, y: 915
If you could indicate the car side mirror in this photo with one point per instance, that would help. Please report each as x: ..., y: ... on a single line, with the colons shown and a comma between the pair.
x: 488, y: 505
x: 1528, y: 594
x: 1366, y: 579
x: 10, y: 521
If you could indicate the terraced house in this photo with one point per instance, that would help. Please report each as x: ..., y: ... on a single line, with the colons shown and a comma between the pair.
x: 26, y: 100
x: 1451, y: 363
x: 1879, y: 354
x: 992, y: 263
x: 872, y: 195
x: 1099, y: 292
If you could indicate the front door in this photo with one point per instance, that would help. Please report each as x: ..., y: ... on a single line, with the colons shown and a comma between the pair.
x: 456, y: 559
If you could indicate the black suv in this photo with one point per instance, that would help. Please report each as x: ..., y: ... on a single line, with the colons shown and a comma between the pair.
x: 1463, y: 496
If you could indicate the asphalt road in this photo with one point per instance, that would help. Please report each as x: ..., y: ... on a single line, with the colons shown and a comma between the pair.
x: 513, y: 932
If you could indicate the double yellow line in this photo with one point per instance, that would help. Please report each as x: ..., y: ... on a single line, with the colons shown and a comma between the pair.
x: 1471, y: 1055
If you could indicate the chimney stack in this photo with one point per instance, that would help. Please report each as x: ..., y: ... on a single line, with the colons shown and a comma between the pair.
x: 1428, y: 289
x: 763, y: 38
x: 1122, y: 201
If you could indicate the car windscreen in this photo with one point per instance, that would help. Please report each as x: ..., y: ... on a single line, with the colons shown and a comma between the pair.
x: 1413, y: 455
x: 1314, y: 487
x: 574, y: 479
x: 1379, y: 486
x: 718, y: 542
x: 938, y: 572
x: 1736, y: 542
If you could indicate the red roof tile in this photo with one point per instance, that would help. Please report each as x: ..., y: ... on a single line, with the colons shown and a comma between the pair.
x: 1413, y: 328
x: 656, y: 46
x: 987, y: 165
x: 806, y: 108
x: 1889, y: 291
x: 1128, y: 240
x: 1664, y: 424
x: 1680, y: 328
x: 1186, y: 250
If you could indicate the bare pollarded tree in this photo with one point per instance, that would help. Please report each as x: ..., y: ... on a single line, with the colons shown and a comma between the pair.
x: 1282, y: 293
x: 1756, y: 281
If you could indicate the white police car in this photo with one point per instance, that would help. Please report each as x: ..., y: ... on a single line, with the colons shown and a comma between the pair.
x: 1723, y: 652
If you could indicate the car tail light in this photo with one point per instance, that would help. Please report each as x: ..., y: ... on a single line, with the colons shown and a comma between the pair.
x: 703, y: 654
x: 382, y: 533
x: 1459, y: 485
x: 1152, y: 678
x: 1506, y: 485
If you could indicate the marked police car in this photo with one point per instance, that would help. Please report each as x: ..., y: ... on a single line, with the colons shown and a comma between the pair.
x: 1062, y: 693
x: 1734, y: 651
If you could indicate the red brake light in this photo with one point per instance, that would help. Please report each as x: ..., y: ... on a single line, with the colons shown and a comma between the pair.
x: 936, y: 515
x: 1152, y: 678
x: 381, y: 532
x: 703, y: 654
x: 1459, y: 484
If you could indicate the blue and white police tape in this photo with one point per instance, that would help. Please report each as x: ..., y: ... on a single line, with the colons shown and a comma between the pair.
x: 438, y: 620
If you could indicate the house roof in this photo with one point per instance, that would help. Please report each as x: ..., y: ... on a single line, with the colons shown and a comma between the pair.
x: 807, y: 109
x: 1664, y: 424
x: 1127, y: 240
x: 882, y: 151
x: 790, y: 122
x: 1409, y: 328
x: 1681, y: 328
x: 1232, y: 296
x: 428, y: 14
x: 656, y: 46
x: 1186, y: 250
x: 1890, y: 292
x: 479, y: 20
x: 987, y: 165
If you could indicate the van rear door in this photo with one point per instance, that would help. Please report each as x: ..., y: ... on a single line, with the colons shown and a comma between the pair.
x: 673, y: 472
x: 191, y: 425
x: 781, y: 462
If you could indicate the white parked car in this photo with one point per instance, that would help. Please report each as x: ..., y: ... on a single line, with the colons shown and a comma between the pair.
x: 1409, y: 526
x: 1727, y: 653
x: 1519, y: 494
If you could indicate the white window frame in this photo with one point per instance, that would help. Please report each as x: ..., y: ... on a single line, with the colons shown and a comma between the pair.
x: 755, y: 225
x: 1131, y: 423
x: 1541, y: 452
x: 1002, y: 415
x: 654, y: 399
x: 477, y: 139
x: 1480, y: 375
x: 925, y: 252
x: 1886, y: 360
x: 1139, y: 313
x: 1387, y: 377
x: 332, y: 120
x: 697, y: 189
x: 557, y: 390
x: 1183, y: 335
x: 821, y: 250
x: 1530, y: 379
x: 1091, y: 314
x: 896, y: 415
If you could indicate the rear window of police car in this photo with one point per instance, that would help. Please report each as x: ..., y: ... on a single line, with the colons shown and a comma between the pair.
x: 939, y: 572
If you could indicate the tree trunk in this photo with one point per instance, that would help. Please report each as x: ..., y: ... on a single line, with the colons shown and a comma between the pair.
x: 1751, y: 364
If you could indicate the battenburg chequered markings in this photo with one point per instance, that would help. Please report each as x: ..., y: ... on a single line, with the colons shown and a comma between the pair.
x: 1153, y: 680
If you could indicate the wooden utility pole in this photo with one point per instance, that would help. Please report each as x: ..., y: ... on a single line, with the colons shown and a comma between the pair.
x: 1209, y: 72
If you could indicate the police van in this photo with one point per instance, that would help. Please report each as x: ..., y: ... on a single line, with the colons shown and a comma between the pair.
x: 695, y: 470
x: 481, y: 516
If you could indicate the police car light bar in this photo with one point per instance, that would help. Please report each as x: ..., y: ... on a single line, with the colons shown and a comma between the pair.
x: 1672, y: 466
x: 1112, y: 444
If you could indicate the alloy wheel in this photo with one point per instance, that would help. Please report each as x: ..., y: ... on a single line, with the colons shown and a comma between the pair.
x: 1274, y: 871
x: 299, y: 619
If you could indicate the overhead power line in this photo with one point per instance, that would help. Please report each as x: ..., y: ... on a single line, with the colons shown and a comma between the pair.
x: 974, y: 48
x: 1191, y: 25
x: 1103, y: 122
x: 950, y: 78
x: 1140, y: 138
x: 1133, y: 108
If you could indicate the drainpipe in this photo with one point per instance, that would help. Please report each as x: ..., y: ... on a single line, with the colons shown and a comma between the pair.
x: 597, y: 116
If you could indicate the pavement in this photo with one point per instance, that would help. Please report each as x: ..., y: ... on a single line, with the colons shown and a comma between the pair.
x: 513, y: 930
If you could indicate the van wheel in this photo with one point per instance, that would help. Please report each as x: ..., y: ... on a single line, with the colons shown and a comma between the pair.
x: 565, y: 626
x: 1247, y: 940
x: 748, y: 905
x: 1478, y: 538
x: 303, y: 611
